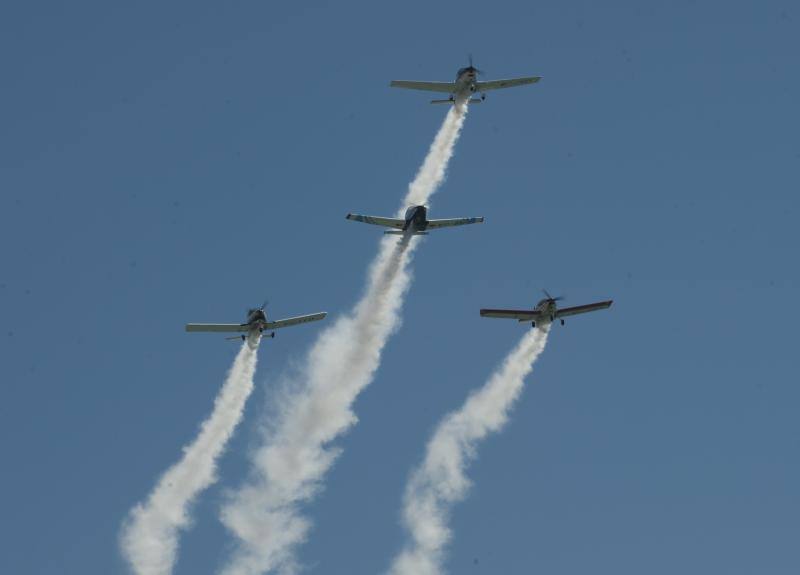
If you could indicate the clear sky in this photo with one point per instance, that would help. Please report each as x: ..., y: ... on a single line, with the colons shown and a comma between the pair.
x: 171, y: 162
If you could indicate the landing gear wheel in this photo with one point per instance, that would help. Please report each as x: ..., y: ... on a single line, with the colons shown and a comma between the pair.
x: 562, y: 322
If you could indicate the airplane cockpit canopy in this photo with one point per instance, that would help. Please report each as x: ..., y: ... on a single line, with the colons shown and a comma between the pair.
x: 464, y: 71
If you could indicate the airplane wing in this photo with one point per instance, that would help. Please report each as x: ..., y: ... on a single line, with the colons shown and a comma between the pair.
x: 378, y: 221
x: 433, y: 224
x: 519, y: 314
x: 218, y: 327
x: 446, y: 87
x: 497, y: 84
x: 583, y: 308
x: 295, y: 320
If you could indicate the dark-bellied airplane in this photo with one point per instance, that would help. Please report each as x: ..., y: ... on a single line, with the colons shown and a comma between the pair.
x: 465, y: 86
x: 546, y: 311
x: 254, y: 327
x: 415, y: 222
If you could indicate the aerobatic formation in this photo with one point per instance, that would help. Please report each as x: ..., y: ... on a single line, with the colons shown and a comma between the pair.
x: 265, y: 515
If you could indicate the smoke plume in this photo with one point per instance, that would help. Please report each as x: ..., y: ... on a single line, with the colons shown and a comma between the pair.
x: 149, y: 538
x: 441, y: 481
x: 289, y: 467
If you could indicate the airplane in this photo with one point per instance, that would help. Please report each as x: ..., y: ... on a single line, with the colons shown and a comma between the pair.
x: 546, y: 311
x: 415, y: 222
x: 255, y: 325
x: 465, y: 86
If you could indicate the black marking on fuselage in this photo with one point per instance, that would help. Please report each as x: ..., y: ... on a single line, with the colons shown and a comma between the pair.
x: 416, y: 219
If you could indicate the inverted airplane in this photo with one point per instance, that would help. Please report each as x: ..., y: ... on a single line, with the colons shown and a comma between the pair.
x: 465, y: 86
x: 415, y: 222
x: 546, y: 311
x: 254, y: 327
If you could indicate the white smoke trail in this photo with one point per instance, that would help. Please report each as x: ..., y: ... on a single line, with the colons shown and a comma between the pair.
x: 149, y: 538
x: 432, y: 171
x: 290, y: 465
x: 440, y: 482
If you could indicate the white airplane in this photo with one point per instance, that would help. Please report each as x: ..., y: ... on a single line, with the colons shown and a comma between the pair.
x: 465, y: 86
x: 254, y: 327
x: 546, y: 311
x: 415, y: 223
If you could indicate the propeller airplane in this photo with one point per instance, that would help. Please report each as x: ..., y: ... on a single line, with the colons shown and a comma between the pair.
x: 465, y: 86
x: 253, y: 328
x: 415, y: 222
x: 546, y: 311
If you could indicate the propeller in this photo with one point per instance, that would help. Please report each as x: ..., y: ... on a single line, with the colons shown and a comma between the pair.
x: 252, y: 309
x: 478, y: 72
x: 551, y: 298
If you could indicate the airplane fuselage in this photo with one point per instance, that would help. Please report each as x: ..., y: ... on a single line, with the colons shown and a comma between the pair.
x: 546, y: 311
x: 256, y: 321
x: 466, y: 83
x: 416, y: 219
x: 256, y: 317
x: 253, y: 328
x: 547, y: 308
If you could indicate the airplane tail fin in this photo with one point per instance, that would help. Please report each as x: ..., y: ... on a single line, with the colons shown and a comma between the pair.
x: 402, y: 233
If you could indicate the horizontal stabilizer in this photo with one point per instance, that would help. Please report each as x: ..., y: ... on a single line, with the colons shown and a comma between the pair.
x: 471, y: 101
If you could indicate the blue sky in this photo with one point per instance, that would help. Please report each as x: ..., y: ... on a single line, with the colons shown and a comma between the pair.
x: 172, y: 163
